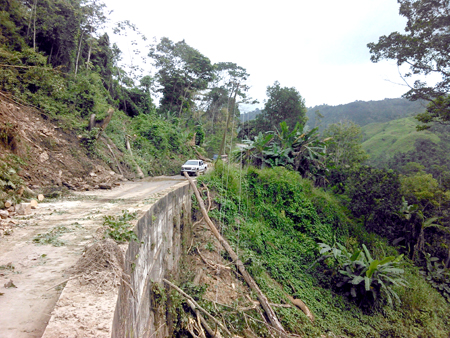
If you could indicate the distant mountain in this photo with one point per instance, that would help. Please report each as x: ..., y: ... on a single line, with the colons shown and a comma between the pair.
x: 365, y: 112
x: 251, y: 115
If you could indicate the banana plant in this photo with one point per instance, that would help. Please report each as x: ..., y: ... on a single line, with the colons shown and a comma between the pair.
x: 437, y: 275
x: 254, y: 150
x: 365, y: 278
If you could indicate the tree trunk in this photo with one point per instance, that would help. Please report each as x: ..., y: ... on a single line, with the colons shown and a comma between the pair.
x: 105, y: 122
x: 78, y: 53
x: 222, y: 144
x: 447, y: 262
x: 34, y: 26
x: 89, y: 54
x: 138, y: 168
x: 91, y: 122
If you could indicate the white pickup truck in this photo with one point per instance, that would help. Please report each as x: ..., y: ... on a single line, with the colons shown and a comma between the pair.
x: 194, y: 167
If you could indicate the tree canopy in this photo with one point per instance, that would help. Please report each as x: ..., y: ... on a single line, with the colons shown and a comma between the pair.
x: 284, y: 104
x: 182, y: 71
x: 425, y: 48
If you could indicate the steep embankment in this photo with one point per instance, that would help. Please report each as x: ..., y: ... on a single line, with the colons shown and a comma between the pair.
x: 44, y: 156
x: 275, y: 221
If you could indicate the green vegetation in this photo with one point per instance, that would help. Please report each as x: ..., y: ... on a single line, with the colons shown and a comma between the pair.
x: 51, y: 237
x: 363, y: 113
x: 384, y: 140
x: 286, y: 218
x: 362, y: 277
x: 425, y: 50
x: 119, y: 227
x: 292, y: 191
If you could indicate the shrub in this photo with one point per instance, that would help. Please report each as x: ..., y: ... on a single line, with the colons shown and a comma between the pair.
x: 364, y: 278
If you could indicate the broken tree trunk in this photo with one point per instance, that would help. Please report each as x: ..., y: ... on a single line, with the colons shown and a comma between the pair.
x: 138, y: 168
x: 262, y: 298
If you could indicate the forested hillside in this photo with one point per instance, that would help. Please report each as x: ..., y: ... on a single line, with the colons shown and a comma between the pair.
x: 56, y: 59
x: 363, y: 113
x: 346, y: 208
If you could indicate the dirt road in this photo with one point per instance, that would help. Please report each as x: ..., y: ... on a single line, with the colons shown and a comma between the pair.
x: 30, y: 272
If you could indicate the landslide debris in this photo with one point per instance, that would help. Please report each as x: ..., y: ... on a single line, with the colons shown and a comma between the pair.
x: 41, y: 156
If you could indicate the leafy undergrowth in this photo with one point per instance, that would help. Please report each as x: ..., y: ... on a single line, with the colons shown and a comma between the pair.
x: 276, y: 220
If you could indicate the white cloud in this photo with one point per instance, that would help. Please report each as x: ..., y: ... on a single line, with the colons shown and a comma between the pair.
x: 319, y: 47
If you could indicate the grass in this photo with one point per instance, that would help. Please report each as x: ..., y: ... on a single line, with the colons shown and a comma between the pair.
x: 385, y: 139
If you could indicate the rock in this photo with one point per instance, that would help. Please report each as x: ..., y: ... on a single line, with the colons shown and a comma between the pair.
x: 92, y: 174
x: 33, y: 204
x: 112, y: 173
x: 8, y: 204
x: 43, y: 157
x: 4, y: 214
x: 105, y: 186
x: 11, y: 209
x: 116, y: 184
x: 10, y: 284
x: 23, y: 209
x: 40, y: 197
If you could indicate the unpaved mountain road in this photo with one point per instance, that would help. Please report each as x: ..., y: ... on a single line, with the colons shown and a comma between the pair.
x: 30, y: 272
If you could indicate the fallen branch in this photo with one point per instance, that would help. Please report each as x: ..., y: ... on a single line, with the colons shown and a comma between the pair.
x: 250, y: 281
x: 299, y: 303
x: 114, y: 155
x: 197, y: 306
x: 64, y: 281
x: 203, y: 321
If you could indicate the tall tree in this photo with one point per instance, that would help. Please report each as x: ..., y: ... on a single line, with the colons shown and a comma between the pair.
x: 182, y: 71
x: 284, y: 104
x: 425, y: 48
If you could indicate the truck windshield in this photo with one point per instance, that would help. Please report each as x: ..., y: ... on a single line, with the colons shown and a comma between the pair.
x: 191, y: 163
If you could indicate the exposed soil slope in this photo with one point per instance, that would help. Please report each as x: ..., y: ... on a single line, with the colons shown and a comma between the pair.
x: 53, y: 155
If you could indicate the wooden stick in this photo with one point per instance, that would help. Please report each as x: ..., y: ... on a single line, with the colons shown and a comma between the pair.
x: 66, y: 280
x: 197, y: 306
x: 250, y: 281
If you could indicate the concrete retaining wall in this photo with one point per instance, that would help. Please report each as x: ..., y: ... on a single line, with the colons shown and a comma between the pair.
x: 163, y: 231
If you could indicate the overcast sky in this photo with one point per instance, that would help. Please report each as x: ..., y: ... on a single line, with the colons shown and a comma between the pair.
x: 318, y: 47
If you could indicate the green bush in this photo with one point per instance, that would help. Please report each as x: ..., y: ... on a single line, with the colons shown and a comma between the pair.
x: 364, y: 278
x: 275, y: 219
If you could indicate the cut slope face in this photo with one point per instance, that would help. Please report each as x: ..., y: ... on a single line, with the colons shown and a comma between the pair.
x: 49, y: 154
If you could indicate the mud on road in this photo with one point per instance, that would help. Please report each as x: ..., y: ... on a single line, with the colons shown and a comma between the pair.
x: 32, y: 275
